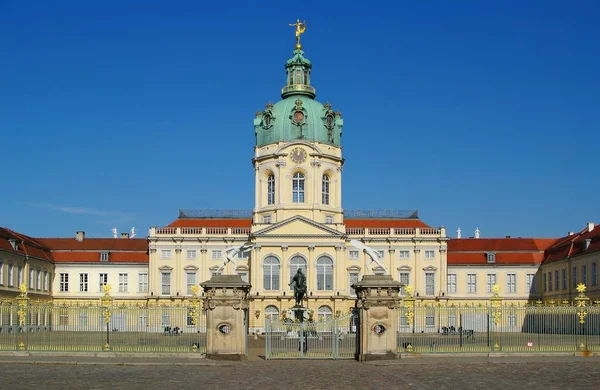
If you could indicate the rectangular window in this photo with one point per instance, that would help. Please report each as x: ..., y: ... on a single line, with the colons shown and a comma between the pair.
x: 31, y: 279
x: 38, y: 280
x: 104, y: 256
x: 328, y: 219
x: 190, y: 282
x: 452, y: 320
x: 380, y: 253
x: 512, y: 319
x: 404, y: 254
x: 594, y: 274
x: 271, y: 190
x: 143, y: 320
x: 430, y: 318
x: 549, y: 281
x: 584, y: 274
x: 83, y: 319
x: 429, y: 254
x: 491, y: 281
x: 243, y: 255
x: 451, y: 283
x: 530, y: 286
x: 511, y: 283
x: 190, y: 254
x: 46, y: 280
x: 564, y: 278
x: 545, y: 281
x: 166, y: 318
x: 143, y: 282
x: 165, y: 283
x: 64, y: 282
x: 556, y: 280
x: 491, y: 257
x: 123, y: 282
x: 19, y: 275
x: 1, y: 273
x: 83, y: 282
x: 471, y: 283
x: 103, y: 282
x: 216, y: 254
x: 404, y: 279
x: 266, y: 219
x: 574, y: 277
x: 165, y: 254
x: 429, y: 283
x: 352, y: 279
x: 353, y: 255
x: 11, y: 279
x: 298, y: 188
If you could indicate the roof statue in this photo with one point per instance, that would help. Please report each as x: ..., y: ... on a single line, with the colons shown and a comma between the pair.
x: 114, y: 232
x: 477, y: 232
x: 300, y: 28
x: 458, y: 235
x: 132, y: 232
x: 232, y: 252
x: 371, y: 252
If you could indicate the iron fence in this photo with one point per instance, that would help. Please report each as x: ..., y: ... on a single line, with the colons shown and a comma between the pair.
x: 332, y: 338
x: 505, y: 329
x: 96, y: 327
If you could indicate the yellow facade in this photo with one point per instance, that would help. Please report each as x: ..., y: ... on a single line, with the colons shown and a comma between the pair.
x: 17, y: 269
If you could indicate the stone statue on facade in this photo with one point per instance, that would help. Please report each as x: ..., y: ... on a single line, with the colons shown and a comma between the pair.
x: 371, y: 253
x: 299, y: 282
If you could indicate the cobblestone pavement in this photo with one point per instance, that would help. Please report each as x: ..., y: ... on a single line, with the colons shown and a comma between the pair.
x: 439, y: 373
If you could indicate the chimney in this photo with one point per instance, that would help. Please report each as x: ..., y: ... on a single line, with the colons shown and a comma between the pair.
x: 590, y: 226
x: 80, y: 235
x: 507, y: 236
x: 571, y: 233
x: 124, y: 235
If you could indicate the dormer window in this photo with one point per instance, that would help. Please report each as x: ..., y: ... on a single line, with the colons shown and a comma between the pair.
x: 491, y: 257
x: 103, y: 256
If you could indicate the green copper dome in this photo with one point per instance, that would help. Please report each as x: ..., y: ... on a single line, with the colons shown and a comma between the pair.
x: 298, y: 116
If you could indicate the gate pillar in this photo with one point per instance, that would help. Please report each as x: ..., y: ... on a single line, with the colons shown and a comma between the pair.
x: 225, y: 302
x: 378, y: 301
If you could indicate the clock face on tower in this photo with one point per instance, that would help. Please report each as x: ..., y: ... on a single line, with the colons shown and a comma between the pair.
x: 298, y: 155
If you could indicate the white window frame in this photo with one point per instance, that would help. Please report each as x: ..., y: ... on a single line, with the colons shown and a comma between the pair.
x: 329, y: 219
x: 511, y: 282
x: 216, y: 254
x: 353, y: 277
x: 472, y: 283
x: 404, y: 278
x: 191, y: 254
x: 429, y: 254
x: 325, y: 272
x: 491, y: 279
x: 404, y: 254
x: 102, y: 280
x: 266, y: 218
x: 165, y: 283
x: 271, y: 190
x: 191, y: 279
x: 143, y: 282
x: 83, y: 282
x: 165, y: 254
x: 64, y: 282
x: 103, y: 256
x: 325, y: 185
x: 530, y: 286
x: 123, y: 282
x: 298, y: 186
x: 353, y: 255
x: 430, y: 287
x: 452, y: 283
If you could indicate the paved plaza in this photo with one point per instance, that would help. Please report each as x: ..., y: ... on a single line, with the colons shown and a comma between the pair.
x: 425, y: 373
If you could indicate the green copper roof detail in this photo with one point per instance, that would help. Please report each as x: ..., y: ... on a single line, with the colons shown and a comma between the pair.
x: 298, y: 116
x: 298, y: 70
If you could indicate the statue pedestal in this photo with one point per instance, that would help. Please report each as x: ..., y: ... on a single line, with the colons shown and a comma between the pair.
x: 226, y: 304
x: 300, y: 313
x: 378, y: 300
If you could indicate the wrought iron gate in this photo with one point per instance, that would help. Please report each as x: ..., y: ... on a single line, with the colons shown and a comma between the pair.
x: 334, y: 338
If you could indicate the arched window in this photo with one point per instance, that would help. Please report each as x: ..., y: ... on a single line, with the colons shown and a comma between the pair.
x: 272, y: 312
x: 296, y: 263
x: 271, y: 189
x: 298, y: 188
x: 324, y: 313
x: 325, y: 191
x: 271, y: 273
x: 325, y: 274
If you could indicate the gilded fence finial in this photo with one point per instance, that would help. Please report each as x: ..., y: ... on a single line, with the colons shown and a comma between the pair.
x: 581, y: 304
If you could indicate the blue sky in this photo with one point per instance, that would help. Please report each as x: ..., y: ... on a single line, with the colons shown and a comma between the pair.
x: 477, y: 113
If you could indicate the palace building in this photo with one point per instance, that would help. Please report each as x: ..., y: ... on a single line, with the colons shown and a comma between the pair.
x: 298, y: 222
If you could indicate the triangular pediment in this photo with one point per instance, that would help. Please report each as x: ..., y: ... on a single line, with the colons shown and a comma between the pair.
x: 298, y: 226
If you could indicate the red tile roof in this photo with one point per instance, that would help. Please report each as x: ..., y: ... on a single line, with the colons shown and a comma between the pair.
x: 210, y: 222
x: 502, y: 258
x: 574, y: 245
x: 94, y: 257
x: 27, y: 245
x: 115, y: 244
x: 367, y: 223
x: 500, y: 244
x: 370, y: 223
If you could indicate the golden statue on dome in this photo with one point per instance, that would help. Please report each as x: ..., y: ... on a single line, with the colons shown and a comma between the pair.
x: 300, y: 28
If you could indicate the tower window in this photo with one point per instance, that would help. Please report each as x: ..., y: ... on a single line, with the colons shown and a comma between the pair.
x: 299, y: 77
x: 325, y: 192
x: 298, y: 188
x: 271, y: 189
